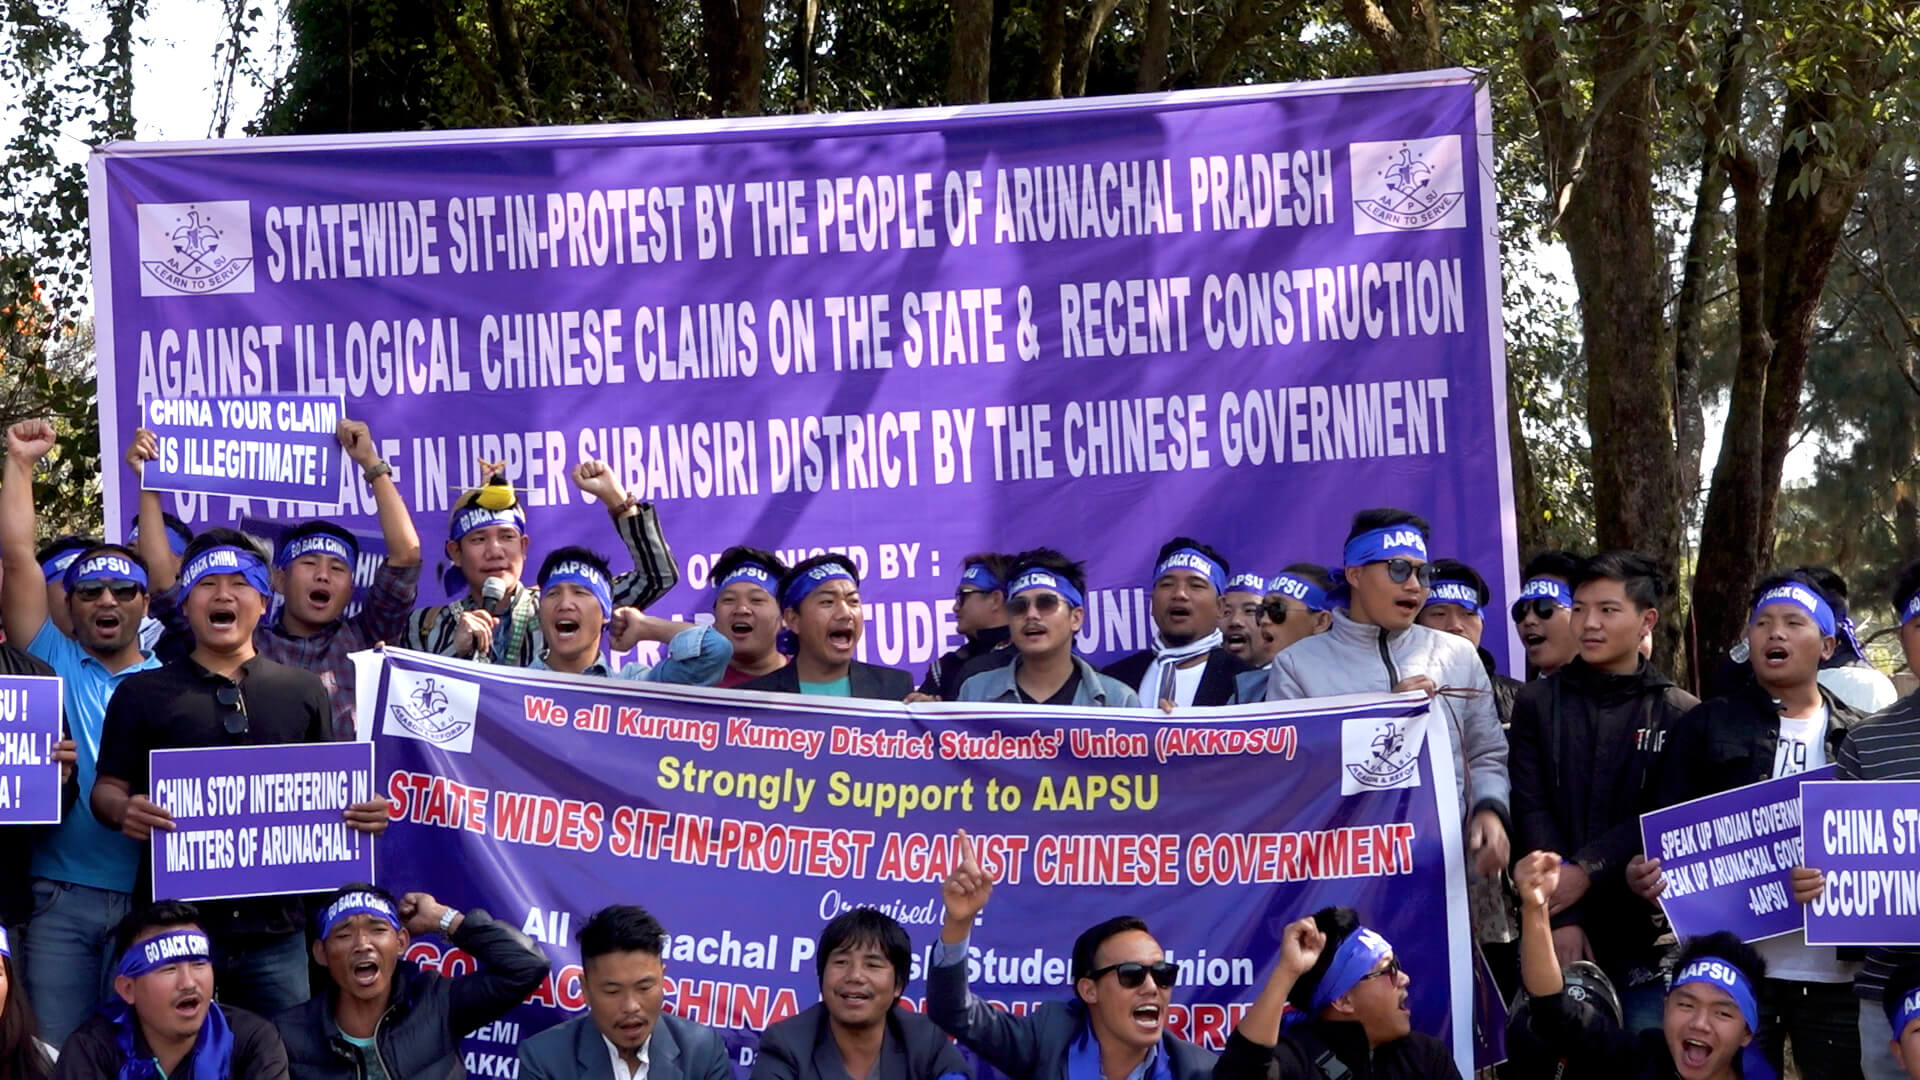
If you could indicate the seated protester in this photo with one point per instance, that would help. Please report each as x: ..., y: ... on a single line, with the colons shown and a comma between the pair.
x: 1783, y: 724
x: 22, y: 1054
x: 1349, y: 998
x: 746, y: 610
x: 626, y: 1033
x: 83, y: 872
x: 1903, y: 1018
x: 162, y: 1022
x: 222, y: 694
x: 1455, y: 605
x: 1848, y: 674
x: 1240, y: 619
x: 386, y: 1019
x: 1189, y: 663
x: 820, y: 603
x: 54, y: 558
x: 859, y: 1030
x: 168, y: 643
x: 980, y: 616
x: 1297, y: 605
x: 499, y: 623
x: 1583, y: 746
x: 1114, y: 1026
x: 1544, y: 611
x: 313, y: 575
x: 1046, y: 600
x: 1375, y: 646
x: 576, y: 610
x: 1709, y: 1017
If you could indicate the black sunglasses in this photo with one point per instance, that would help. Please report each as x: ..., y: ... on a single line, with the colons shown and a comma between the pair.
x: 1399, y: 570
x: 1541, y: 606
x: 123, y: 591
x: 1045, y: 603
x: 1133, y: 973
x: 230, y: 698
x: 1391, y: 970
x: 1274, y: 609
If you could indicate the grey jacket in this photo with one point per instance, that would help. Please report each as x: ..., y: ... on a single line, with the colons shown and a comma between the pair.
x: 1096, y: 689
x: 1359, y: 658
x: 575, y: 1050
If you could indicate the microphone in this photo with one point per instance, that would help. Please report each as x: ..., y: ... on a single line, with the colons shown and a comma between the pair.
x: 493, y: 596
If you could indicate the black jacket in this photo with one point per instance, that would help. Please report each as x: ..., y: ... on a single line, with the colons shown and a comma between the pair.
x: 943, y: 675
x: 865, y: 680
x: 1729, y: 742
x: 419, y: 1037
x: 799, y: 1048
x: 1602, y: 1047
x: 1581, y: 752
x: 1419, y: 1056
x: 92, y: 1051
x: 17, y: 841
x: 1505, y: 689
x: 1218, y: 682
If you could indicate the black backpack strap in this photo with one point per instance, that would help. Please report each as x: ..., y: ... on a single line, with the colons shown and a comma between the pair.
x: 1330, y: 1066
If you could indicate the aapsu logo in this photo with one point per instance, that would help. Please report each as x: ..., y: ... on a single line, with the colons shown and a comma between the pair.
x: 195, y: 249
x: 1408, y: 185
x: 427, y: 713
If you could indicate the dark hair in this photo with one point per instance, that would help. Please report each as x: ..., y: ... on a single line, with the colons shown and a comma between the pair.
x: 867, y: 926
x: 735, y: 557
x: 223, y: 537
x: 1050, y: 560
x: 1787, y: 577
x: 1312, y: 571
x: 1834, y: 588
x: 20, y: 1053
x: 574, y: 553
x: 317, y: 527
x: 1087, y: 946
x: 1455, y: 570
x: 1724, y: 945
x: 1552, y: 563
x: 1904, y: 980
x: 174, y: 525
x: 320, y: 909
x: 1179, y: 542
x: 61, y: 544
x: 159, y: 915
x: 1905, y: 584
x: 1386, y: 517
x: 123, y: 551
x: 1338, y: 924
x: 621, y: 928
x: 1640, y: 576
x: 998, y: 564
x: 825, y: 559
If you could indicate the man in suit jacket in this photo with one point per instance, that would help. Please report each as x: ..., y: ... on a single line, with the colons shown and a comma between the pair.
x: 858, y: 1031
x: 820, y: 603
x: 625, y: 1035
x: 1189, y: 663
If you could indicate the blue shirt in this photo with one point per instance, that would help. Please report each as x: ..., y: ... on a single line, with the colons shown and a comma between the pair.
x: 696, y: 656
x: 82, y: 851
x: 840, y: 687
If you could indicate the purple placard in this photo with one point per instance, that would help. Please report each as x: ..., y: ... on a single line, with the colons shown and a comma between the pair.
x: 1728, y: 858
x: 1865, y: 838
x: 247, y: 447
x: 29, y: 728
x: 884, y: 332
x: 260, y: 820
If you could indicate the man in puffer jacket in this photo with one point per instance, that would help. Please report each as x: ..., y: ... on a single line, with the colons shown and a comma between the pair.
x: 385, y: 1019
x: 1375, y: 647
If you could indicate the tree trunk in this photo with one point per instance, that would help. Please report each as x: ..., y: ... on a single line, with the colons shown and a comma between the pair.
x: 650, y: 54
x: 803, y: 52
x: 1156, y: 48
x: 970, y: 67
x: 506, y: 44
x: 1053, y: 45
x: 734, y: 33
x: 1242, y: 26
x: 1079, y: 58
x: 1403, y: 34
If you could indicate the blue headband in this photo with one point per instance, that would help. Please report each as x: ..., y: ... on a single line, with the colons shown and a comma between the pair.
x: 1196, y: 561
x: 4, y: 949
x: 317, y: 544
x: 1307, y: 592
x: 1352, y: 961
x: 1910, y: 609
x: 479, y: 517
x: 1454, y: 592
x: 1552, y: 588
x: 1805, y: 599
x: 105, y: 566
x: 1247, y: 583
x: 803, y: 585
x: 977, y: 576
x: 175, y: 542
x: 357, y: 903
x: 1046, y: 579
x: 172, y: 947
x: 226, y: 560
x: 1379, y: 545
x: 751, y: 573
x: 587, y: 576
x: 1905, y: 1012
x: 1718, y: 972
x: 55, y: 568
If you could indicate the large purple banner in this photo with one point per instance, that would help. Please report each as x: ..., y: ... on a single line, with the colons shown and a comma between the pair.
x: 889, y: 333
x: 745, y: 821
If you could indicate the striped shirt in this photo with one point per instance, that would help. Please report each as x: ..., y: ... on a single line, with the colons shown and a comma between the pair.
x: 1886, y: 747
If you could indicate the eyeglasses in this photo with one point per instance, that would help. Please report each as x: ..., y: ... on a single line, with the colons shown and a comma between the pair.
x: 1045, y: 603
x: 1399, y: 570
x: 230, y: 698
x: 960, y: 595
x: 1274, y: 609
x: 1392, y: 970
x: 1133, y: 973
x: 123, y: 591
x: 1541, y: 606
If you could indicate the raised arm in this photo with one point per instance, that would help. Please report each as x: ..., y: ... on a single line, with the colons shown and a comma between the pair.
x: 396, y: 524
x: 23, y: 588
x: 654, y: 571
x: 163, y: 569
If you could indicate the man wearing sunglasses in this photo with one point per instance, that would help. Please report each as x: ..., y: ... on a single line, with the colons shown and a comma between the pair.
x: 1113, y: 1028
x: 1189, y: 663
x: 1456, y: 604
x: 1544, y: 612
x: 980, y: 616
x: 1350, y: 1015
x: 83, y: 872
x: 1294, y: 605
x: 223, y: 694
x: 1045, y: 600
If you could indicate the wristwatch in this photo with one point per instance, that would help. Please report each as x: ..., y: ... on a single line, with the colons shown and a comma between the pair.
x: 446, y: 920
x: 377, y: 470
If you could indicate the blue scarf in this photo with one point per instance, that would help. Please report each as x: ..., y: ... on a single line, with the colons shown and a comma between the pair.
x: 212, y: 1054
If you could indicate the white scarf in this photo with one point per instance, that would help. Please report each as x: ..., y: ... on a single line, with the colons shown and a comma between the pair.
x: 1166, y: 658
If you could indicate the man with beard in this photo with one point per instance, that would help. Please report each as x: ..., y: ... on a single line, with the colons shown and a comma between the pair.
x: 1046, y: 600
x: 1544, y: 611
x: 980, y: 616
x: 747, y: 612
x: 820, y: 603
x: 386, y: 1019
x: 859, y: 1031
x: 1240, y: 619
x: 83, y: 872
x: 1188, y: 664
